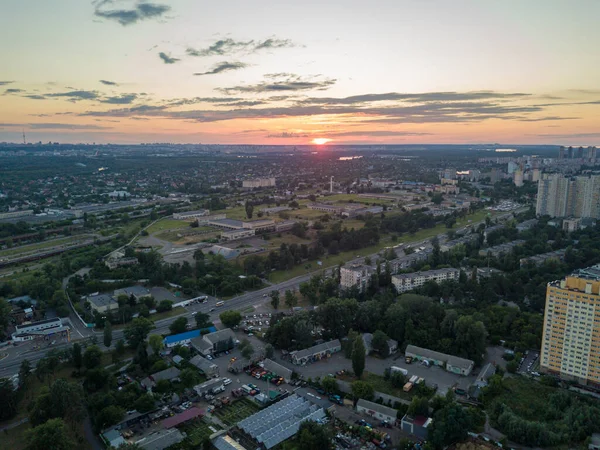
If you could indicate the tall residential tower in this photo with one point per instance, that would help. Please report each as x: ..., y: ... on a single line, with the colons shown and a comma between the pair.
x: 571, y: 338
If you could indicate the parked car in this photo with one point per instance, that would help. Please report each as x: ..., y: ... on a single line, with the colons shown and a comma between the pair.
x: 226, y: 381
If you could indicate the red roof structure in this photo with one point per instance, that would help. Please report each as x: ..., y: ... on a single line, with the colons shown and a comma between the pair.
x: 178, y: 419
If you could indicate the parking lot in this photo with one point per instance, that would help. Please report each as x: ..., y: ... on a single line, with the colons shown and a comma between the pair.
x: 530, y: 362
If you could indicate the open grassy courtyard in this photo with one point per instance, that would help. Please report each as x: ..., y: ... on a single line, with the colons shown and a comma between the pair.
x: 238, y: 410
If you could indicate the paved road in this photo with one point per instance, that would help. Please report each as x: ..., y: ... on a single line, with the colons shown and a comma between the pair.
x: 10, y: 365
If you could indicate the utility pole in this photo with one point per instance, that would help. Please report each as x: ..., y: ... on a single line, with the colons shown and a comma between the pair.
x: 24, y: 141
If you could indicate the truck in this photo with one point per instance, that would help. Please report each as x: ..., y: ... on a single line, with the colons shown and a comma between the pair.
x: 407, y: 387
x: 413, y: 379
x: 399, y: 369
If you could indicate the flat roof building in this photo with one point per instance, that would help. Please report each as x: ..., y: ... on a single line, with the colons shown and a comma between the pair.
x: 379, y: 412
x: 452, y: 363
x: 409, y: 281
x: 102, y: 303
x: 208, y: 368
x: 316, y: 352
x: 181, y: 338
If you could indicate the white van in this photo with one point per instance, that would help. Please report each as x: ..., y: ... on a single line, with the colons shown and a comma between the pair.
x: 219, y: 303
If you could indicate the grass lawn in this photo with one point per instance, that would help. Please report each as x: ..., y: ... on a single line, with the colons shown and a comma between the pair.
x: 287, y: 238
x: 13, y: 439
x: 238, y: 213
x: 345, y: 198
x: 528, y: 399
x: 238, y: 410
x: 306, y: 214
x: 353, y: 223
x: 167, y: 224
x: 43, y: 245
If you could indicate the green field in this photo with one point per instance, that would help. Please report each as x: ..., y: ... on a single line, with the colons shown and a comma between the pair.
x: 345, y: 198
x: 385, y: 241
x: 167, y: 224
x: 306, y: 214
x: 238, y: 410
x: 44, y: 245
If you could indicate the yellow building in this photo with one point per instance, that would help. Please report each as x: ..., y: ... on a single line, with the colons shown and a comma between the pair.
x: 571, y: 339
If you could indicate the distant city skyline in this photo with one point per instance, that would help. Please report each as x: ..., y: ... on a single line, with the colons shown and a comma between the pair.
x: 338, y: 72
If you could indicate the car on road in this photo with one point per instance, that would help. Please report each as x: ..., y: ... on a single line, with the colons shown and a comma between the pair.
x: 226, y: 381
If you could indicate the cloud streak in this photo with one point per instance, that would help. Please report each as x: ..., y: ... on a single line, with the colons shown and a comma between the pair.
x: 167, y: 59
x: 282, y: 83
x: 4, y: 83
x: 224, y: 67
x: 54, y: 126
x: 109, y: 83
x: 141, y: 11
x: 229, y: 46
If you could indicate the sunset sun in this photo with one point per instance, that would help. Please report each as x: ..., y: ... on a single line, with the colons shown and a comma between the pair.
x: 320, y: 141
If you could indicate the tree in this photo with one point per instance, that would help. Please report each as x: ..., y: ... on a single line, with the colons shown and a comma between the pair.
x: 110, y: 415
x: 512, y: 366
x: 419, y: 406
x: 202, y: 320
x: 379, y: 343
x: 274, y: 299
x: 141, y: 356
x: 450, y: 424
x: 77, y: 356
x: 51, y: 435
x: 248, y: 351
x: 144, y: 403
x: 137, y: 331
x: 329, y: 384
x: 179, y: 325
x: 230, y: 319
x: 107, y: 334
x: 24, y: 372
x: 362, y: 389
x: 189, y: 377
x: 92, y: 357
x: 249, y: 209
x: 5, y: 310
x: 120, y: 347
x: 313, y: 436
x: 8, y: 399
x: 269, y: 351
x: 164, y: 305
x: 290, y: 299
x: 358, y: 356
x: 156, y: 342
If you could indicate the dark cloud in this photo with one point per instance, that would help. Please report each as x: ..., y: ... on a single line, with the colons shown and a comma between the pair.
x: 109, y: 83
x: 195, y: 100
x: 35, y: 97
x: 167, y: 59
x: 224, y: 67
x: 376, y: 133
x: 64, y: 126
x: 53, y: 126
x: 12, y: 91
x: 230, y: 46
x: 76, y: 95
x: 123, y: 99
x: 4, y: 83
x: 283, y: 82
x: 286, y: 135
x: 244, y: 103
x: 141, y: 11
x: 413, y: 98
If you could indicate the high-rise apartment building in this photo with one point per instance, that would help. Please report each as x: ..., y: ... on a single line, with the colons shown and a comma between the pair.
x: 561, y: 152
x: 559, y: 196
x: 571, y: 337
x: 591, y: 153
x: 258, y: 183
x: 355, y: 275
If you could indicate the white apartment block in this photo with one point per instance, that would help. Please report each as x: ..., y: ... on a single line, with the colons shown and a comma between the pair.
x: 559, y: 196
x: 355, y: 276
x: 409, y: 281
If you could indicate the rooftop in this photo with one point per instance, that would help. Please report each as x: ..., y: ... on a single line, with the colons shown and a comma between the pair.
x: 137, y: 291
x: 420, y: 421
x: 451, y: 359
x: 219, y: 336
x: 101, y: 300
x: 181, y: 337
x: 230, y: 222
x: 178, y: 419
x: 317, y: 348
x: 382, y: 409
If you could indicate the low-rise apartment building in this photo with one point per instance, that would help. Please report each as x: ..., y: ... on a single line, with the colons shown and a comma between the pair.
x: 355, y: 276
x: 409, y: 281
